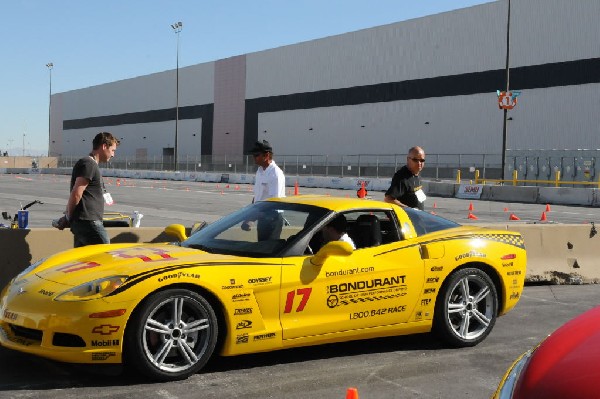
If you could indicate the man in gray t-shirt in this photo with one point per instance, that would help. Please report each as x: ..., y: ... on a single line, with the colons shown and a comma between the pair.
x: 85, y: 207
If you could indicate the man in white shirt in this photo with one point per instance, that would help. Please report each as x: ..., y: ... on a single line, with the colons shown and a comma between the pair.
x: 269, y: 183
x: 336, y: 231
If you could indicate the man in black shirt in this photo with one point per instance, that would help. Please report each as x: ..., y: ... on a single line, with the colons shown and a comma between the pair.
x: 406, y: 189
x: 85, y: 207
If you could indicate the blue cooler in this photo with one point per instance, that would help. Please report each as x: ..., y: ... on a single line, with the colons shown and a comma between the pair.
x: 23, y: 219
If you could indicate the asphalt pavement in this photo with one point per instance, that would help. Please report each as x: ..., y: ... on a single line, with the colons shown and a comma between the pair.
x: 163, y: 202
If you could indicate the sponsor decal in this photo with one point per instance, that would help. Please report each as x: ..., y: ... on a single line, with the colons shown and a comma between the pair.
x: 260, y: 280
x: 429, y: 291
x: 231, y: 281
x: 349, y: 272
x: 366, y: 291
x: 76, y: 266
x: 470, y: 254
x: 240, y: 297
x: 261, y: 337
x: 377, y: 312
x: 425, y: 302
x: 513, y: 273
x: 244, y: 324
x: 21, y: 291
x: 105, y: 342
x: 437, y: 268
x: 418, y: 315
x: 177, y: 276
x: 507, y: 264
x: 100, y: 357
x: 515, y: 295
x: 8, y: 315
x: 242, y: 311
x: 46, y: 293
x: 433, y: 280
x: 241, y: 339
x: 366, y: 284
x: 105, y: 329
x: 231, y: 287
x: 146, y: 255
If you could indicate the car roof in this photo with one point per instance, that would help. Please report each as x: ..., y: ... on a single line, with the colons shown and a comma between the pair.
x: 336, y: 204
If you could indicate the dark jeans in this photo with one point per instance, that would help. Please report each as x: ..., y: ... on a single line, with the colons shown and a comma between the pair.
x: 269, y: 226
x: 88, y: 232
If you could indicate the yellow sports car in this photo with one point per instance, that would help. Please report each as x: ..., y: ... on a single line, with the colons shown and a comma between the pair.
x: 262, y: 279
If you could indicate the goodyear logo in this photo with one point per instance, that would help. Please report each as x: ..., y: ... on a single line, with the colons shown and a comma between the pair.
x: 470, y: 254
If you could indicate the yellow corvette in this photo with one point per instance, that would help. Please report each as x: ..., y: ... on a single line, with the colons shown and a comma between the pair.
x: 261, y: 279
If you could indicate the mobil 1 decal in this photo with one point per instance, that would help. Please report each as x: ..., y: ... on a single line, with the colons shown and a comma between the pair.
x: 367, y: 290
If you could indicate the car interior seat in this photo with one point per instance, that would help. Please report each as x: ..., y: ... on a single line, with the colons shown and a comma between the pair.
x: 367, y: 231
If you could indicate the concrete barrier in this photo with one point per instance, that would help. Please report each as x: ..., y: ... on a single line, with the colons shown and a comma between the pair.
x: 556, y: 253
x: 566, y: 196
x: 527, y: 194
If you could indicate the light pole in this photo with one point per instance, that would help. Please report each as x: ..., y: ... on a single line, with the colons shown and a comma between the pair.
x: 504, y: 125
x: 177, y: 26
x: 49, y: 66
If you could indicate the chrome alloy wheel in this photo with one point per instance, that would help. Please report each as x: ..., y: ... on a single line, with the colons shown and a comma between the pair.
x: 471, y: 307
x: 176, y: 334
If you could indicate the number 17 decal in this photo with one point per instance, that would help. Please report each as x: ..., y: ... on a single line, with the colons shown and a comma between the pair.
x: 289, y: 302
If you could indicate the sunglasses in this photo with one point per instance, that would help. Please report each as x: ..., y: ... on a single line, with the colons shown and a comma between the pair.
x: 418, y: 160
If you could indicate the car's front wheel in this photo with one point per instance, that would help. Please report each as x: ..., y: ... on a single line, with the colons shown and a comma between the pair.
x: 466, y: 308
x: 171, y: 335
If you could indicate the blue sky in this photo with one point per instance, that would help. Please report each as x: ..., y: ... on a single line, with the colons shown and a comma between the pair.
x: 95, y: 42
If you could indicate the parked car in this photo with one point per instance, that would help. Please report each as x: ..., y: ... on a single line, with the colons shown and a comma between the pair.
x: 262, y: 279
x: 564, y: 365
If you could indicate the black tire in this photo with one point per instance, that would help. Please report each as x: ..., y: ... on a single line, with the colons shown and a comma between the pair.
x: 171, y: 335
x: 466, y: 308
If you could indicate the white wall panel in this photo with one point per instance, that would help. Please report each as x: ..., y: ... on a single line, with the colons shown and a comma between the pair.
x: 545, y: 31
x: 466, y: 40
x: 150, y: 92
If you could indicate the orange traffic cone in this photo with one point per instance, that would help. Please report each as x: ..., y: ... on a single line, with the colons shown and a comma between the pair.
x: 471, y: 206
x: 547, y: 207
x: 362, y: 192
x: 296, y: 189
x: 513, y: 217
x: 471, y: 216
x: 543, y: 218
x: 352, y: 393
x: 118, y: 182
x: 505, y: 209
x: 434, y: 205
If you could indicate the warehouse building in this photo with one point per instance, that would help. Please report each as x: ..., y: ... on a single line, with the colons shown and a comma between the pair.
x: 429, y: 81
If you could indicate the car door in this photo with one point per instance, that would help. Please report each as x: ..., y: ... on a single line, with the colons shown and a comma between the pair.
x: 373, y: 286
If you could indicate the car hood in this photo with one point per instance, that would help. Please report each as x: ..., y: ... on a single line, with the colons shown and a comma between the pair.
x: 78, y: 266
x: 565, y: 365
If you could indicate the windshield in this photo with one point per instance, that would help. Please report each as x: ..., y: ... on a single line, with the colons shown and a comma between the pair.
x: 263, y: 229
x: 425, y: 222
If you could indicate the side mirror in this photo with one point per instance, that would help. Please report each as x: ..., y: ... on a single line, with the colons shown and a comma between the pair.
x: 177, y: 231
x: 333, y: 248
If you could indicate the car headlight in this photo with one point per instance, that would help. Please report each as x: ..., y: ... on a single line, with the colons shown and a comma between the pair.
x: 505, y: 391
x: 92, y: 290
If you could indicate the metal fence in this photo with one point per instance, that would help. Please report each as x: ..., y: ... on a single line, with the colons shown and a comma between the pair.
x: 543, y: 165
x: 438, y: 166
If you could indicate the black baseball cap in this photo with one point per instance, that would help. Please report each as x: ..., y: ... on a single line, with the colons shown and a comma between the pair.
x: 261, y: 147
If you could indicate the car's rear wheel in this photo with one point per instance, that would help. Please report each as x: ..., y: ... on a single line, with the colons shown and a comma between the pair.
x: 171, y: 335
x: 466, y: 308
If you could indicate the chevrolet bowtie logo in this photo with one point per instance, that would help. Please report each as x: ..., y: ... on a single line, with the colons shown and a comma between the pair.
x: 105, y: 329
